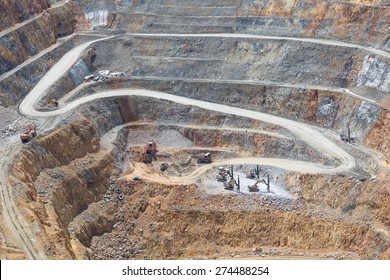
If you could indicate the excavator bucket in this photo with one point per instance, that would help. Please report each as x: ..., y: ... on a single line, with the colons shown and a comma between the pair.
x: 148, y: 158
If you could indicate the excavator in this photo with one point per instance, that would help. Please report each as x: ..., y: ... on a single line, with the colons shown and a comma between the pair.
x: 150, y: 152
x: 29, y: 134
x: 255, y: 188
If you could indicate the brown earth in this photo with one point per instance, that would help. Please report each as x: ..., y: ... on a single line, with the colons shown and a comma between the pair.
x: 378, y: 137
x: 71, y: 167
x: 28, y: 39
x: 160, y: 222
x: 357, y: 21
x: 14, y: 12
x: 65, y: 182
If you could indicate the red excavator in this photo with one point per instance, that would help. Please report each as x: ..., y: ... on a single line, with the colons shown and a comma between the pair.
x: 29, y: 134
x: 150, y: 152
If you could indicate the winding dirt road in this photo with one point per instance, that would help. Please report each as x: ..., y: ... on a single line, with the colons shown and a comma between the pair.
x: 312, y: 137
x: 263, y: 37
x: 302, y: 131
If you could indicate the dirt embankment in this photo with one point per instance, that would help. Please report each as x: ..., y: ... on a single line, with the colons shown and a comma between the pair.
x: 179, y: 222
x: 329, y: 19
x: 18, y: 11
x: 366, y: 201
x: 55, y: 178
x: 363, y: 22
x: 378, y: 136
x: 20, y: 43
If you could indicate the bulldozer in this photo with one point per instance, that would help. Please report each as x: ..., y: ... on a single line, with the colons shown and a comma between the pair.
x: 29, y: 134
x: 150, y: 152
x: 204, y: 158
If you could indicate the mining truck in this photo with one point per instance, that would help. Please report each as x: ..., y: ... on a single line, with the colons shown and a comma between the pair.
x: 29, y: 134
x: 204, y: 158
x: 150, y: 152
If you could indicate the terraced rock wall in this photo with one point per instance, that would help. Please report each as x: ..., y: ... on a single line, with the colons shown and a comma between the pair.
x: 363, y: 22
x: 71, y: 159
x: 161, y: 222
x: 13, y: 12
x: 76, y: 218
x: 16, y: 45
x: 15, y: 86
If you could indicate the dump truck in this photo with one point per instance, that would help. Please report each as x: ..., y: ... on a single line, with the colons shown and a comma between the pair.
x: 204, y: 158
x: 29, y: 134
x: 150, y: 152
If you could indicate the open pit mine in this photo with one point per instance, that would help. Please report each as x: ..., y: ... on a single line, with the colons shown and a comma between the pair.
x: 189, y: 129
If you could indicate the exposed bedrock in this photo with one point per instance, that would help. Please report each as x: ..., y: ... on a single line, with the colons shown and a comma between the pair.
x: 328, y: 109
x: 364, y: 22
x: 14, y: 12
x: 19, y: 43
x: 15, y: 86
x: 76, y: 213
x: 76, y: 186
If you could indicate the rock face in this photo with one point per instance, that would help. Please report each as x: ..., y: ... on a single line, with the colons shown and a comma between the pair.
x: 364, y: 22
x: 375, y: 73
x: 378, y: 137
x: 62, y: 182
x: 30, y: 38
x: 295, y: 65
x: 161, y: 222
x: 13, y: 12
x: 15, y: 86
x: 78, y: 175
